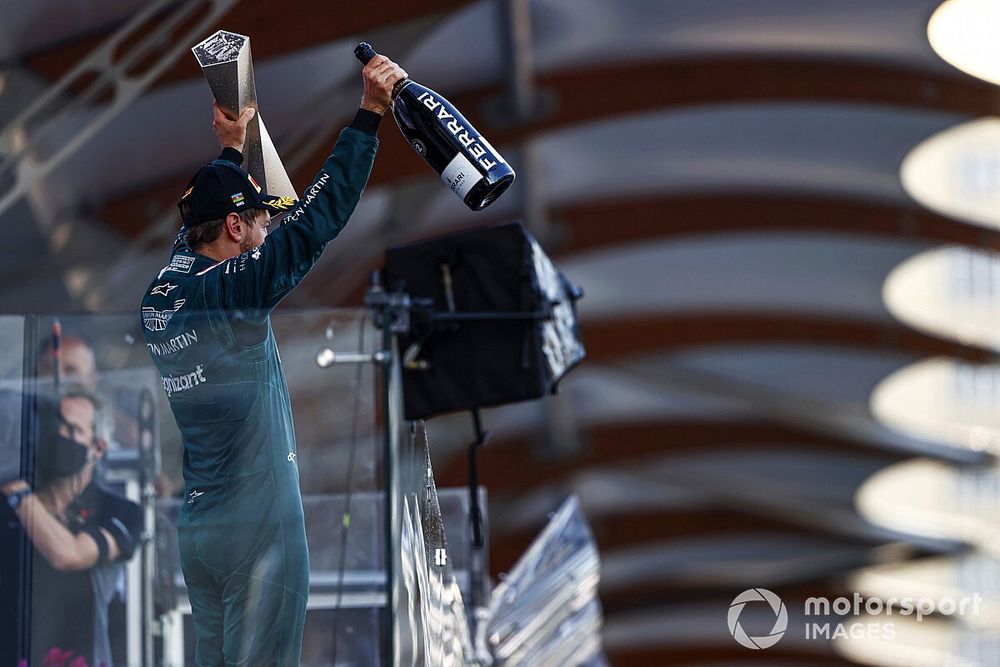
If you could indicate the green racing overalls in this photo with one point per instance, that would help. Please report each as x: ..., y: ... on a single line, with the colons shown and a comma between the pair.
x: 206, y: 324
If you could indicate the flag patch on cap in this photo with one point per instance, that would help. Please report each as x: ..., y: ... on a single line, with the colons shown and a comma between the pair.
x: 237, y: 198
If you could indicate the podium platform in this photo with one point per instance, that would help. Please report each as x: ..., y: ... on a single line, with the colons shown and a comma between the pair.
x: 346, y: 608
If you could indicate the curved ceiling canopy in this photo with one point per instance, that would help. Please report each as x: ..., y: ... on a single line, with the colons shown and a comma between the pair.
x: 829, y: 374
x: 834, y: 149
x: 638, y: 389
x: 943, y: 400
x: 734, y: 559
x: 30, y: 27
x: 802, y: 479
x: 752, y: 272
x: 929, y: 642
x: 957, y: 172
x: 955, y: 577
x: 951, y: 292
x: 964, y: 33
x: 575, y: 33
x: 935, y: 500
x: 684, y: 625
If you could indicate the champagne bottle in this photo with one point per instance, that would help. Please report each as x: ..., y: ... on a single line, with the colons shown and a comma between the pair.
x: 471, y: 167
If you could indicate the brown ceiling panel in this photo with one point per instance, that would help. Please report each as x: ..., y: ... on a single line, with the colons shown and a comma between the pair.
x: 584, y: 227
x: 648, y: 333
x: 598, y: 93
x: 626, y: 529
x: 675, y: 650
x: 513, y: 465
x: 626, y: 89
x: 276, y: 30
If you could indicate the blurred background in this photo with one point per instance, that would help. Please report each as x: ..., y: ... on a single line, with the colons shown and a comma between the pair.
x: 784, y: 214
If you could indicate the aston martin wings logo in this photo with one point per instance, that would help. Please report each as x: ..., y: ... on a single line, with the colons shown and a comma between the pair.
x: 281, y: 203
x: 156, y: 320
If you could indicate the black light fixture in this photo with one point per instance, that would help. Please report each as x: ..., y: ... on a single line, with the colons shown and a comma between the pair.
x: 493, y: 322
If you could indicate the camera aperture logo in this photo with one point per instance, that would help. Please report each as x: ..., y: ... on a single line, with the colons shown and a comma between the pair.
x: 780, y: 620
x: 855, y: 617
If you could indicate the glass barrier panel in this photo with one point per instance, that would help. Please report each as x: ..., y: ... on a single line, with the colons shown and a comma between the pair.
x: 430, y: 620
x: 104, y: 458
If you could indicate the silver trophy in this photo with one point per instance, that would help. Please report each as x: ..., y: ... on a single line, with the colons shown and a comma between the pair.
x: 225, y: 60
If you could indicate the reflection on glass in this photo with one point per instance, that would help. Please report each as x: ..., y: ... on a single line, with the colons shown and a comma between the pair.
x: 105, y: 612
x: 546, y: 611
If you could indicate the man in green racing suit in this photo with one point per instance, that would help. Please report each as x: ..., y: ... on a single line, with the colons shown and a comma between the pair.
x: 206, y: 324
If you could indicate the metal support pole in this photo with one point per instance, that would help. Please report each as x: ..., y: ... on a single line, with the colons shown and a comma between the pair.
x: 478, y: 565
x: 149, y: 469
x: 523, y: 103
x: 390, y: 463
x: 475, y: 514
x: 519, y: 56
x: 29, y: 437
x: 391, y: 313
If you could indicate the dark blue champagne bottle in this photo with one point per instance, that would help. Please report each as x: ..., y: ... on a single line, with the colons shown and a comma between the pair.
x: 471, y: 167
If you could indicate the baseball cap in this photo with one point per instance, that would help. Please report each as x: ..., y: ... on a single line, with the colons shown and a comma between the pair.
x: 220, y: 188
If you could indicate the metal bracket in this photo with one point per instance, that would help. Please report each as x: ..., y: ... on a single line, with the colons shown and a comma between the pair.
x: 165, y: 16
x: 389, y: 308
x: 327, y: 357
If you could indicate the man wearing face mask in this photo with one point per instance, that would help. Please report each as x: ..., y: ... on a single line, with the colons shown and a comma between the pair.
x: 80, y: 535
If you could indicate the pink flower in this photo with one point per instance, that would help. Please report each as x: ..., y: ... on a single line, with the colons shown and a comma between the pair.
x: 57, y: 658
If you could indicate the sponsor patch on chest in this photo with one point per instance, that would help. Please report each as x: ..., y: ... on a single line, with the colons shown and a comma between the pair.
x: 174, y: 384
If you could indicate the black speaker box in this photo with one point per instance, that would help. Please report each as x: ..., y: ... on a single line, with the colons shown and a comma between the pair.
x: 464, y: 364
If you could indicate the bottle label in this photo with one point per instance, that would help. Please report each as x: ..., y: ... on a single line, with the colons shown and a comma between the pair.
x: 461, y: 175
